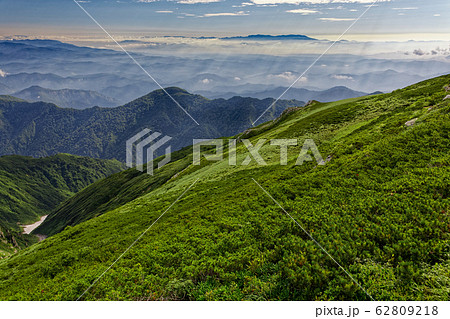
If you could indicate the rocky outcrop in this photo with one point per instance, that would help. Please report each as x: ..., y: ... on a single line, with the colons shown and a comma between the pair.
x: 411, y: 122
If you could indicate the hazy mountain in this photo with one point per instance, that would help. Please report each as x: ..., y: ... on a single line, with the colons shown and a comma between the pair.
x: 129, y: 92
x: 375, y: 81
x: 41, y: 129
x: 21, y: 81
x: 56, y: 65
x: 97, y: 81
x: 333, y: 94
x: 5, y: 89
x: 12, y: 50
x: 78, y: 99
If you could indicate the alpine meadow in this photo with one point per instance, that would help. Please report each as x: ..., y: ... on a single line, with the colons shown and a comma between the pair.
x: 379, y: 206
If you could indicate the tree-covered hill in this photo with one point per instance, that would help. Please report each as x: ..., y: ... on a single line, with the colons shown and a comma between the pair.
x: 379, y: 207
x: 42, y: 129
x: 31, y: 188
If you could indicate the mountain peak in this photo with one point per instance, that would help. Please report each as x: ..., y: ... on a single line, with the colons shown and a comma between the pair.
x: 171, y: 90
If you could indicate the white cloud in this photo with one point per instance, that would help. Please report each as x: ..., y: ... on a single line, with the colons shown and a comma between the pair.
x: 342, y: 77
x: 288, y: 76
x: 223, y: 14
x: 337, y: 19
x: 244, y: 4
x: 205, y: 81
x: 437, y: 15
x: 164, y: 11
x: 3, y: 73
x: 303, y: 11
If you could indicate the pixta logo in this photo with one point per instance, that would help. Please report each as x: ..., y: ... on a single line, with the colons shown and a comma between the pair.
x: 142, y: 148
x: 308, y: 148
x: 145, y: 139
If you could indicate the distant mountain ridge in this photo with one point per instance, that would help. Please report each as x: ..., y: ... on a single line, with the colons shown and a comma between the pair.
x: 41, y: 129
x: 332, y: 94
x: 57, y: 65
x: 77, y: 99
x: 4, y: 89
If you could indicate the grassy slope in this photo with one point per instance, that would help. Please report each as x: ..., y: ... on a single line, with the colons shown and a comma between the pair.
x: 30, y: 188
x: 380, y: 207
x: 110, y: 193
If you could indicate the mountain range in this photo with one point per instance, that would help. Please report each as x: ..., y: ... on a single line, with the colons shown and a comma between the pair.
x: 41, y: 129
x: 333, y: 94
x: 77, y: 99
x: 56, y: 65
x: 379, y: 207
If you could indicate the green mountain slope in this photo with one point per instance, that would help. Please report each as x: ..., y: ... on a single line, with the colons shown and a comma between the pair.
x: 30, y: 188
x: 379, y: 206
x: 42, y: 129
x: 110, y: 193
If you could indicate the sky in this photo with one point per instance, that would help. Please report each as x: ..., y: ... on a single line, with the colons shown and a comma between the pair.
x: 388, y: 19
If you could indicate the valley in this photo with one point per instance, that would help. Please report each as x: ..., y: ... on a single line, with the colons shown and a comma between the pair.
x: 31, y: 188
x: 211, y: 231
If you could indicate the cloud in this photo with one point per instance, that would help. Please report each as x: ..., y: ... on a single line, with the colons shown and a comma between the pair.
x: 437, y: 15
x: 337, y: 19
x: 244, y: 4
x: 225, y: 14
x: 419, y: 52
x: 164, y: 11
x: 303, y: 11
x: 3, y: 73
x: 205, y: 81
x: 342, y: 77
x: 437, y: 52
x: 288, y: 76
